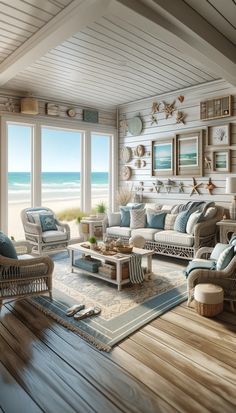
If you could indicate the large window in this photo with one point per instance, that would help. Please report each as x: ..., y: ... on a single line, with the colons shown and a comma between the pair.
x: 19, y: 175
x: 100, y: 167
x: 60, y: 177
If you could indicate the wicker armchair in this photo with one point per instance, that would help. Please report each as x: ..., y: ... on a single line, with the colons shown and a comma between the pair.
x: 225, y: 278
x: 44, y: 241
x: 24, y: 277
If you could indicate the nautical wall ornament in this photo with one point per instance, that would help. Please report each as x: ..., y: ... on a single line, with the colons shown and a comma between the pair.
x: 210, y: 186
x: 180, y: 117
x: 126, y: 173
x: 126, y: 154
x: 139, y: 150
x: 135, y: 125
x: 169, y: 185
x: 195, y: 187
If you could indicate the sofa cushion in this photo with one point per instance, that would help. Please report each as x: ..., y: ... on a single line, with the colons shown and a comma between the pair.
x: 170, y: 221
x: 7, y: 248
x: 155, y: 219
x: 146, y: 233
x: 125, y: 213
x: 174, y: 238
x: 225, y: 258
x: 120, y: 231
x: 181, y: 221
x: 137, y: 218
x: 51, y: 236
x: 114, y: 219
x: 192, y: 221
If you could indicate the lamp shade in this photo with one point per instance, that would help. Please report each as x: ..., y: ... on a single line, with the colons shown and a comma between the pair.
x: 29, y: 106
x: 230, y: 187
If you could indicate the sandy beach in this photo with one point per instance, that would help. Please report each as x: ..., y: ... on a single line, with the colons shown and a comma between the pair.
x: 15, y: 227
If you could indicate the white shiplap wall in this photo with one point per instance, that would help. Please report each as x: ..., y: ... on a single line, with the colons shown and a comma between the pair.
x: 105, y: 117
x: 168, y: 128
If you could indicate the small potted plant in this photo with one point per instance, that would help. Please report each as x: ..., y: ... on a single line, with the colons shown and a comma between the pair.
x: 93, y: 243
x: 101, y: 210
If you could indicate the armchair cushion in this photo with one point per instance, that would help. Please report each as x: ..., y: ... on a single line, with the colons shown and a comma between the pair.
x: 225, y: 258
x: 200, y: 264
x: 7, y: 248
x: 217, y: 250
x: 48, y: 222
x: 51, y: 236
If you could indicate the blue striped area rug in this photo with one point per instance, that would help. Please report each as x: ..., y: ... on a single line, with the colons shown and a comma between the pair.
x: 122, y: 312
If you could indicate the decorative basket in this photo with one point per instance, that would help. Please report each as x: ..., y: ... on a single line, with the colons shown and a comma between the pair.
x: 208, y: 310
x: 125, y: 249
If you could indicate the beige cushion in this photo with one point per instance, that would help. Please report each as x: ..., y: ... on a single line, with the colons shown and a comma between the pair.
x: 192, y: 221
x: 146, y: 233
x: 137, y: 218
x: 170, y: 221
x: 51, y: 236
x: 208, y: 294
x: 174, y: 238
x: 210, y: 213
x: 120, y: 231
x: 167, y: 208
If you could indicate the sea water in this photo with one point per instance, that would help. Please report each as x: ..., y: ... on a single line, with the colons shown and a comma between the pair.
x: 55, y: 185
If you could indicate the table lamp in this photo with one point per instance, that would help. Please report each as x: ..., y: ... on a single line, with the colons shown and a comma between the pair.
x: 230, y: 188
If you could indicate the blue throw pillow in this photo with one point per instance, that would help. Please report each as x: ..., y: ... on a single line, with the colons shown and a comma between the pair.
x: 125, y: 213
x: 47, y: 222
x: 156, y: 219
x: 181, y: 221
x: 225, y: 257
x: 7, y: 248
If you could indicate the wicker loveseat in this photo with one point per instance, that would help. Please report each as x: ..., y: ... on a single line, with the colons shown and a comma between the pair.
x: 169, y: 242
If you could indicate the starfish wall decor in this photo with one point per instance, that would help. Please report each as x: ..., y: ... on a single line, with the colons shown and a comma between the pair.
x: 210, y: 186
x: 195, y: 187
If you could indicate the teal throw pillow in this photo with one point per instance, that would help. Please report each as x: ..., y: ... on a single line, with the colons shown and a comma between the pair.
x: 125, y: 213
x: 156, y: 219
x: 217, y: 250
x: 225, y: 258
x: 47, y: 222
x: 7, y: 248
x: 181, y: 221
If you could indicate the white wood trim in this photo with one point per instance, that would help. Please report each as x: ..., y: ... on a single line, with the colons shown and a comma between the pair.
x: 86, y: 172
x: 36, y: 192
x: 4, y: 170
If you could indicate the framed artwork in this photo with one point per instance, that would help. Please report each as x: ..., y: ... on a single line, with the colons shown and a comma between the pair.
x: 218, y: 135
x: 189, y: 160
x: 90, y: 116
x: 163, y: 157
x: 221, y: 160
x: 220, y: 107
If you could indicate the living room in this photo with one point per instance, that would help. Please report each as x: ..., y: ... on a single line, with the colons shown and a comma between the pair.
x: 109, y: 103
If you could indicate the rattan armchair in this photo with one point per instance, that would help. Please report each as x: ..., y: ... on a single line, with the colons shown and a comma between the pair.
x: 44, y: 241
x: 24, y: 277
x: 225, y: 278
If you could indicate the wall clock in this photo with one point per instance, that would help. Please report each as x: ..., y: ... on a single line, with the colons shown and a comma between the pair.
x: 135, y: 125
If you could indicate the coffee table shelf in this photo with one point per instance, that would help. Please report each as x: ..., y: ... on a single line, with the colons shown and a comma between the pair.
x: 118, y: 259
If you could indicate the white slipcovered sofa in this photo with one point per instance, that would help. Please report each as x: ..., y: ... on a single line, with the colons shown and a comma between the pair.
x: 168, y: 241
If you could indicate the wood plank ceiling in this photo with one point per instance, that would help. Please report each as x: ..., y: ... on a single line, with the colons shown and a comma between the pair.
x: 109, y: 63
x: 20, y: 19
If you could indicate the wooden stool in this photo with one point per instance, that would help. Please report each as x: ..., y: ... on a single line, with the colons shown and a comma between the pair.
x: 209, y: 299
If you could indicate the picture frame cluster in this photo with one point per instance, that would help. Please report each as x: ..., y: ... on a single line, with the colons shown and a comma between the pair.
x: 218, y: 143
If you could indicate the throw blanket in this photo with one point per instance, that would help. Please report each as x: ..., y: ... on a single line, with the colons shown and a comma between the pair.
x: 136, y: 274
x: 192, y: 206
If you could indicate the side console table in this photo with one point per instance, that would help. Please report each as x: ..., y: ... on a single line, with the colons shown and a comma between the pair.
x: 227, y: 228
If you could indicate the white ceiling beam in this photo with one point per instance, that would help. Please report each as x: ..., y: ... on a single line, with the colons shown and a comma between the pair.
x: 182, y: 27
x: 77, y: 15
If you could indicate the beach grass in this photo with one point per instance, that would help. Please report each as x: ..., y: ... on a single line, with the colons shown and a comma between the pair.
x: 72, y: 213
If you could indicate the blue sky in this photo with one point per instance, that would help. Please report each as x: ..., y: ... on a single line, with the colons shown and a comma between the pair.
x: 60, y: 150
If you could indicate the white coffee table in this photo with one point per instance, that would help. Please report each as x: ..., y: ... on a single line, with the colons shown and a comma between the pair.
x: 118, y: 259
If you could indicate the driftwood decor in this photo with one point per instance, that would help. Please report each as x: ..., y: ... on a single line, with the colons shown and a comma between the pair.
x: 168, y: 109
x: 220, y: 107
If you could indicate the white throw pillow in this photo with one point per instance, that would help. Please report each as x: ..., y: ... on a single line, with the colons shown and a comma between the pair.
x: 114, y: 219
x: 170, y: 221
x: 192, y: 221
x: 137, y: 218
x: 167, y: 208
x: 225, y: 257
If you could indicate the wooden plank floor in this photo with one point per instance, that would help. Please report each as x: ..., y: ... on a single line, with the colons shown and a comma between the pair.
x: 180, y: 362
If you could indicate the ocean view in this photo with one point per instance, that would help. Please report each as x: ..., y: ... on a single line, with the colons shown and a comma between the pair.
x: 55, y: 185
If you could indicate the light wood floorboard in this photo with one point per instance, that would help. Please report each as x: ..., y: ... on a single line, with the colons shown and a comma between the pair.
x: 180, y: 362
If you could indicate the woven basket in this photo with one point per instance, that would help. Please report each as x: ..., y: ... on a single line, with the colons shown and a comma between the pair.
x: 125, y: 250
x: 208, y: 310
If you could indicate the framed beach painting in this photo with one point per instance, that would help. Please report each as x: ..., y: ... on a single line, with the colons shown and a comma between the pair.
x: 221, y: 160
x: 163, y: 157
x: 189, y: 160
